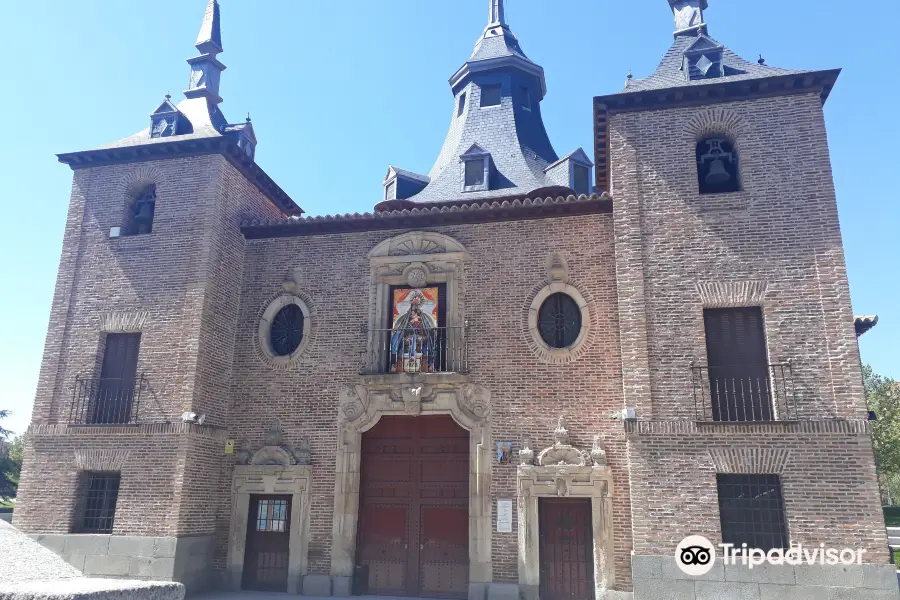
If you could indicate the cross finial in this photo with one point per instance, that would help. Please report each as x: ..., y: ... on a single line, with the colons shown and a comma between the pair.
x: 498, y: 14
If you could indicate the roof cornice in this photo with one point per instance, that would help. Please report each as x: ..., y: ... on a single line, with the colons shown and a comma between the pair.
x: 185, y: 148
x: 478, y: 66
x: 430, y: 216
x: 721, y: 90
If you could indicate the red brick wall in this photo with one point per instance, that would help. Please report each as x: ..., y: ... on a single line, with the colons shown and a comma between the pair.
x: 187, y: 275
x: 782, y: 229
x: 508, y: 261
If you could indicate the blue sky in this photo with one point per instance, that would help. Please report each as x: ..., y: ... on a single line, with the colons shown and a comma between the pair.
x: 338, y: 94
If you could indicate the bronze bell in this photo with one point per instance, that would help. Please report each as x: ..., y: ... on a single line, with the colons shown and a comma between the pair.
x: 717, y: 174
x: 145, y: 212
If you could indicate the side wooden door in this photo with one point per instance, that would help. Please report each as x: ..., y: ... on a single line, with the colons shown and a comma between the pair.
x: 566, y: 549
x: 268, y: 540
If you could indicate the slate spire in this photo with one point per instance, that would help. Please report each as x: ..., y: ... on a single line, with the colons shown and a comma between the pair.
x: 206, y: 70
x: 210, y: 36
x: 498, y: 14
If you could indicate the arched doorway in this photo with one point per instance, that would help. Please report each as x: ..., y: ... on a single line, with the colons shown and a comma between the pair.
x: 413, y: 536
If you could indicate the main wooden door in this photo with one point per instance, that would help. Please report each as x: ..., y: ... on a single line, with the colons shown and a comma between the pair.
x: 414, y: 508
x: 566, y: 549
x: 268, y: 538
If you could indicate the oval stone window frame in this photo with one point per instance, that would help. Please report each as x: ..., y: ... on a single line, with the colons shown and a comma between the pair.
x: 264, y: 338
x: 545, y: 352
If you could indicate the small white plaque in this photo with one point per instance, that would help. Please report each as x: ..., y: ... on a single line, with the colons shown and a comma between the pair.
x: 504, y: 516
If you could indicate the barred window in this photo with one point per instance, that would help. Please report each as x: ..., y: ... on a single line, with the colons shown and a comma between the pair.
x: 99, y: 492
x: 751, y: 508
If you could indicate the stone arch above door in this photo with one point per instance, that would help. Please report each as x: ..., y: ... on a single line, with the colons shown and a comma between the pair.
x: 360, y: 408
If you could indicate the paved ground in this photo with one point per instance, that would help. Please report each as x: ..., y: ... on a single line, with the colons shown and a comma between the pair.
x: 278, y: 596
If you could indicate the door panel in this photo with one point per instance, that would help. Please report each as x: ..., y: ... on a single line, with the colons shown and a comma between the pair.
x: 444, y: 550
x: 115, y: 392
x: 268, y: 539
x: 566, y: 549
x: 385, y: 529
x: 414, y: 490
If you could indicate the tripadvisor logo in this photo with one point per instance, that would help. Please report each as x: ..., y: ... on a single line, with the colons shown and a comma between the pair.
x: 696, y: 555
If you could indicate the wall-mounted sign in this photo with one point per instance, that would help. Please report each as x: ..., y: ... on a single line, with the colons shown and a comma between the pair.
x: 229, y: 446
x: 504, y: 516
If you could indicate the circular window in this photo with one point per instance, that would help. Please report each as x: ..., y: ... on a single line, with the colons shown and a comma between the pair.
x: 286, y: 331
x: 559, y: 320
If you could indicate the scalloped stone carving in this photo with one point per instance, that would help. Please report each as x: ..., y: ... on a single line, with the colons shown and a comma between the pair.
x: 561, y: 453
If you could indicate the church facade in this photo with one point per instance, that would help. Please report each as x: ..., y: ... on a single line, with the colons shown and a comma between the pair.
x: 522, y: 375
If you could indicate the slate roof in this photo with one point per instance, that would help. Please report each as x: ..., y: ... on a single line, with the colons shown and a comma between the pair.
x: 512, y: 133
x: 206, y: 119
x: 669, y: 73
x: 497, y: 42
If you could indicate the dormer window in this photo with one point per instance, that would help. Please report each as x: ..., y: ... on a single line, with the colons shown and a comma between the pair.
x: 717, y: 166
x: 141, y: 211
x: 490, y: 95
x: 582, y: 179
x: 390, y: 190
x: 526, y: 98
x: 703, y: 59
x: 476, y: 168
x: 474, y: 173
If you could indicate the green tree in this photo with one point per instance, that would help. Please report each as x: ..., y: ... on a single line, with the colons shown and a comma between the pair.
x: 883, y: 396
x: 9, y: 469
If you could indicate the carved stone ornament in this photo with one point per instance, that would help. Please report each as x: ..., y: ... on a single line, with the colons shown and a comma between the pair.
x: 561, y: 453
x: 416, y: 277
x: 557, y: 269
x: 353, y: 402
x: 526, y: 454
x: 273, y: 451
x: 412, y: 397
x: 598, y: 454
x: 562, y: 484
x: 476, y: 400
x: 291, y: 282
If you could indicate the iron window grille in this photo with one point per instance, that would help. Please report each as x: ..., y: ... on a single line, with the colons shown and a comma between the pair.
x: 286, y: 331
x: 744, y: 393
x: 106, y: 400
x: 751, y: 509
x: 559, y: 320
x: 100, y: 493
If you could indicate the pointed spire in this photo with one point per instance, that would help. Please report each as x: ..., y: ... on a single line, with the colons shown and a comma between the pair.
x: 210, y: 30
x: 498, y: 14
x: 206, y: 69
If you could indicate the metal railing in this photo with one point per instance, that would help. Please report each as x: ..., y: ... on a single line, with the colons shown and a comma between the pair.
x: 744, y: 393
x: 439, y: 350
x: 106, y: 401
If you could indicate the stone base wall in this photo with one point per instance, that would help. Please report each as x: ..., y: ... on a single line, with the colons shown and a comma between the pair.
x: 659, y: 578
x: 187, y: 560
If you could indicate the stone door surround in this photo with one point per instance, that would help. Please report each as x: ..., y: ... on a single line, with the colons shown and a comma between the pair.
x: 361, y: 407
x: 272, y: 469
x: 564, y: 471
